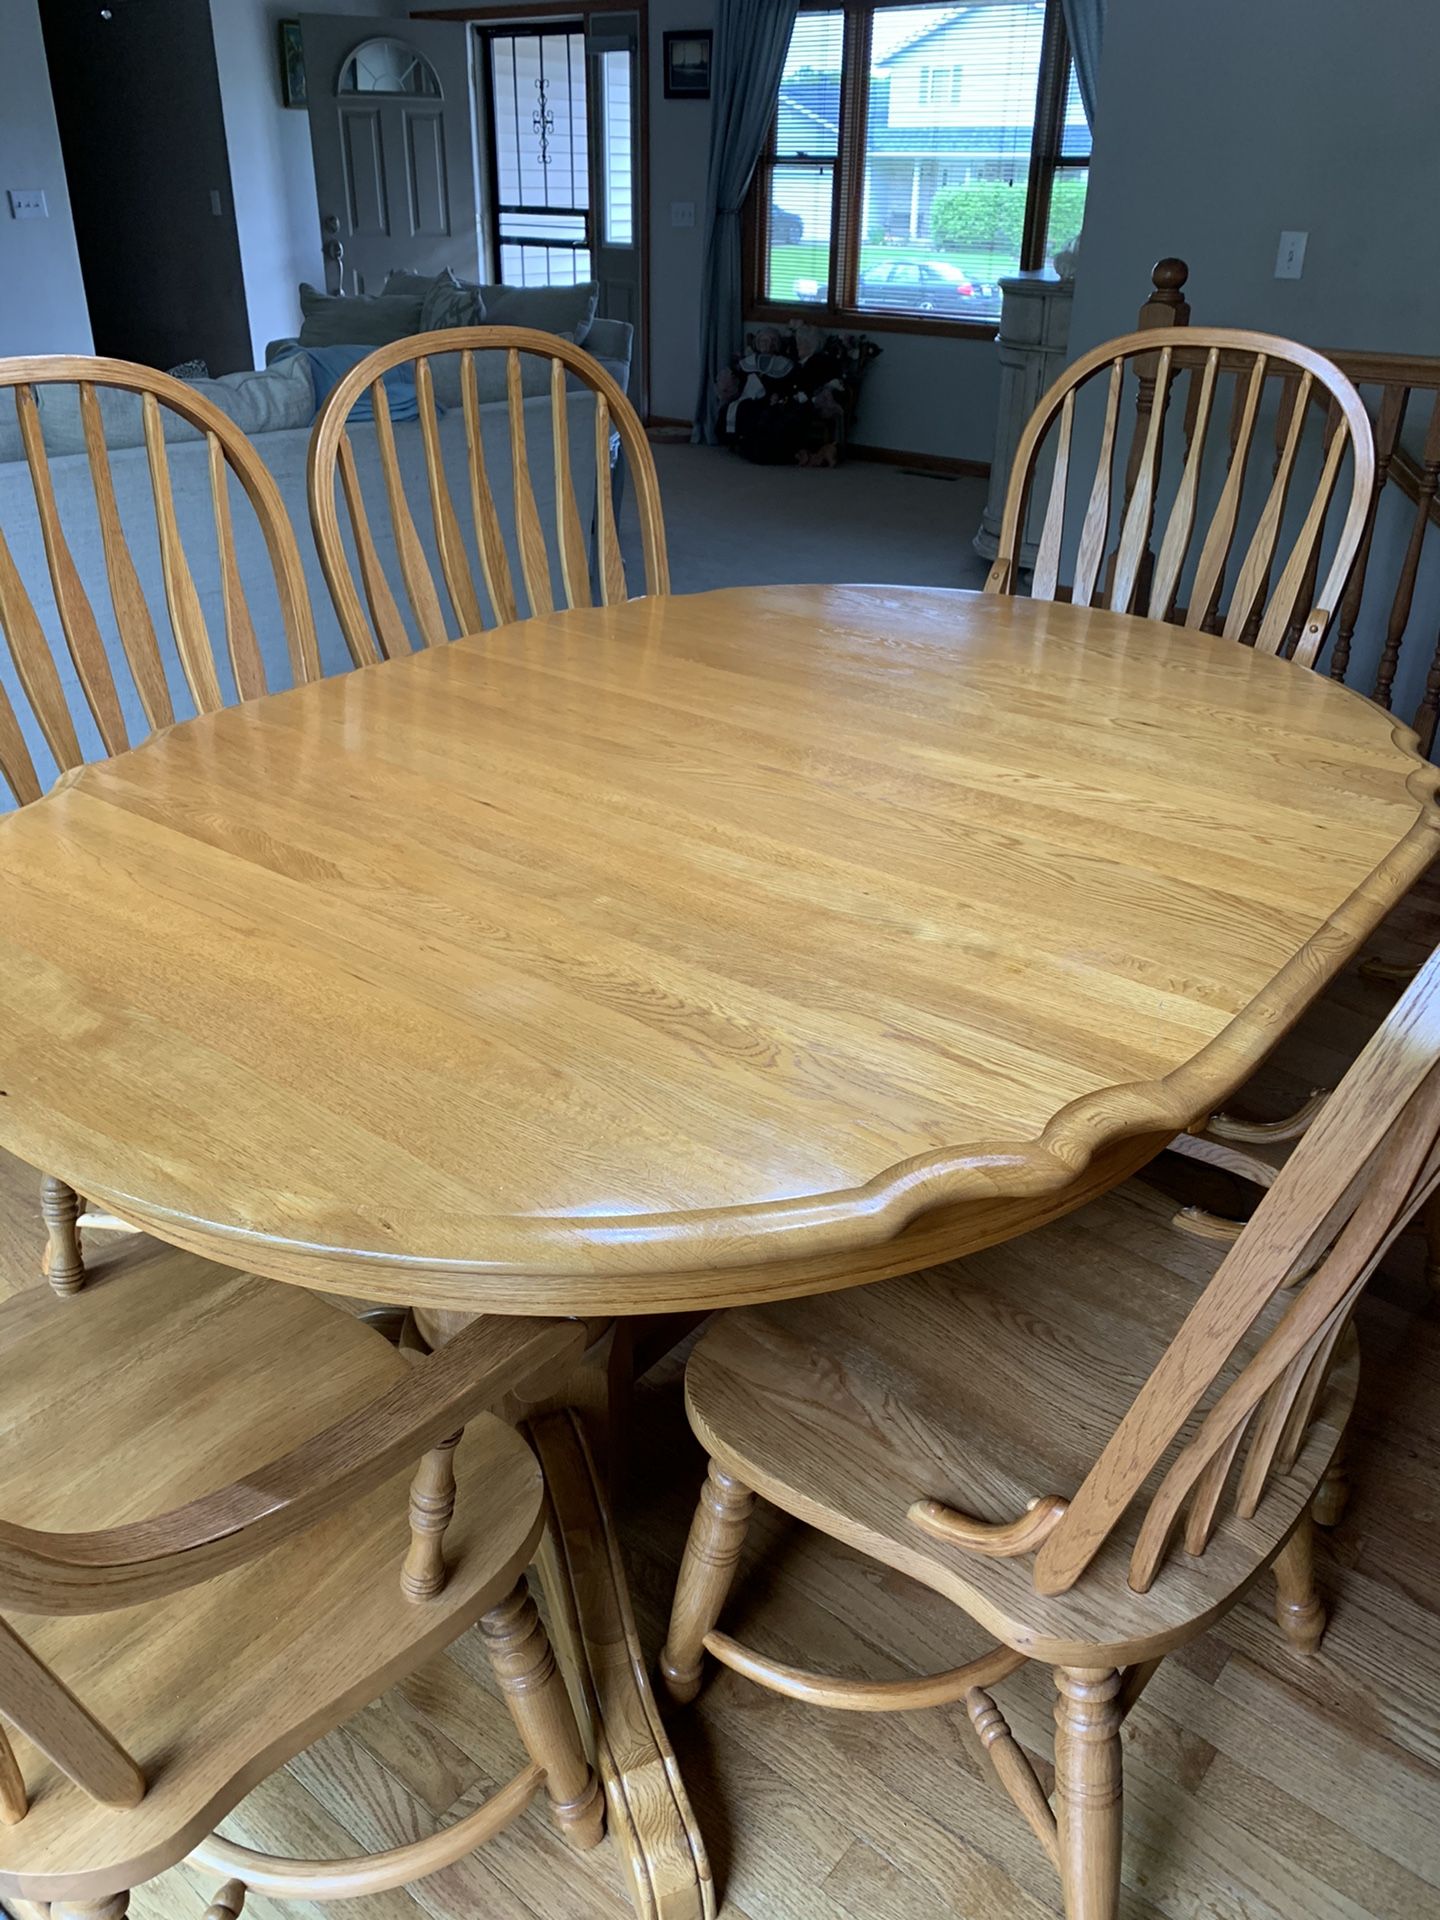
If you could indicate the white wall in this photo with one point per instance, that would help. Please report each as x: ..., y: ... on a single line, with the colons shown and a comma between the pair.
x: 679, y: 164
x: 270, y: 170
x: 1310, y: 114
x: 929, y: 393
x: 42, y: 297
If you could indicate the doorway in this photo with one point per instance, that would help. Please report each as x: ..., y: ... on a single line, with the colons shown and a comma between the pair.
x: 505, y: 146
x: 137, y: 103
x: 563, y: 160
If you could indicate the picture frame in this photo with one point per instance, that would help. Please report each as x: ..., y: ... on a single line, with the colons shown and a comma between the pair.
x: 293, y: 90
x: 687, y: 63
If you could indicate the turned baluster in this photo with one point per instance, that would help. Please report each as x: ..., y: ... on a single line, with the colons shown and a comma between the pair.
x: 432, y: 1503
x: 1391, y: 418
x: 1405, y: 589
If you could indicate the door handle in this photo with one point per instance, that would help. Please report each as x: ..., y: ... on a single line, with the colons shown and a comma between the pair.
x: 334, y: 253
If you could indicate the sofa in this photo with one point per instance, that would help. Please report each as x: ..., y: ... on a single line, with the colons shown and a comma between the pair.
x: 284, y: 449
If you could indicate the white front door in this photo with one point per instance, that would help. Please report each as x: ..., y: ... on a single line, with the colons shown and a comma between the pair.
x: 392, y: 119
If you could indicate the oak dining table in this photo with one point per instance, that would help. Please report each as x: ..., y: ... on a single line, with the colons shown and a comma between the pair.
x: 637, y: 961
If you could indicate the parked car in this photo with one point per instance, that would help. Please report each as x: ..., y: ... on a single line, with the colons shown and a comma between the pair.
x: 786, y: 229
x: 918, y: 286
x: 911, y: 286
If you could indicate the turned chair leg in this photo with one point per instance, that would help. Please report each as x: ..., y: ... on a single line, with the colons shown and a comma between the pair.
x: 522, y: 1662
x: 1088, y: 1802
x: 64, y: 1265
x: 432, y: 1503
x: 1332, y: 1496
x: 1297, y: 1605
x: 717, y: 1533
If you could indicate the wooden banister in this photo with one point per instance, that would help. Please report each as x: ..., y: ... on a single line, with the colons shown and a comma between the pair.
x: 1394, y: 387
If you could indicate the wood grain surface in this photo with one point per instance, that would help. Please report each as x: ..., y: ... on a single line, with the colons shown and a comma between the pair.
x: 688, y: 951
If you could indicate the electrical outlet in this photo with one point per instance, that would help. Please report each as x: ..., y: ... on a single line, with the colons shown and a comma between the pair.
x: 1290, y: 260
x: 682, y: 213
x: 28, y: 203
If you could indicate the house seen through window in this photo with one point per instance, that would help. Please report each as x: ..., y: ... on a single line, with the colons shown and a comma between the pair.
x: 918, y: 154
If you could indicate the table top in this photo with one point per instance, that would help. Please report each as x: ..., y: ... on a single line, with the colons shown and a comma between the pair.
x: 689, y: 950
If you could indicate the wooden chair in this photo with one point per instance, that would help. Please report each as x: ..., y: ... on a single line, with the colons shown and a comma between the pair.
x: 1091, y: 1452
x: 193, y: 650
x: 207, y: 1551
x: 385, y: 632
x: 1182, y: 582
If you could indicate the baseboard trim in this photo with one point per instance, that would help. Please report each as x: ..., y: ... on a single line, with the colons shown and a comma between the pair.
x: 855, y: 450
x: 921, y: 462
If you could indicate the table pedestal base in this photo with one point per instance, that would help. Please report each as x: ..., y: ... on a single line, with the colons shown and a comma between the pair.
x: 592, y: 1627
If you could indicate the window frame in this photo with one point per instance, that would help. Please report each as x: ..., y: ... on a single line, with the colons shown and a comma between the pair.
x: 1047, y: 157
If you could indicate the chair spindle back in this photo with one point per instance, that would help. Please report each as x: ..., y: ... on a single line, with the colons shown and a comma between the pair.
x: 30, y: 648
x: 1185, y: 580
x: 1360, y: 1174
x: 385, y: 632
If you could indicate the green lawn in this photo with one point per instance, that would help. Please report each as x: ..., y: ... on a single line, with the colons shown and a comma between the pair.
x: 811, y: 261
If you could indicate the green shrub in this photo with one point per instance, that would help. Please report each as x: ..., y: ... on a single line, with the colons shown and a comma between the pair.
x: 991, y: 214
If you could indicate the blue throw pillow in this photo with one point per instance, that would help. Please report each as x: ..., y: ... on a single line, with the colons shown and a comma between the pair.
x: 328, y: 365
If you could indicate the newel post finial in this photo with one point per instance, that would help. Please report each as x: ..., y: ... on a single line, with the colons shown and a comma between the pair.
x: 1166, y: 305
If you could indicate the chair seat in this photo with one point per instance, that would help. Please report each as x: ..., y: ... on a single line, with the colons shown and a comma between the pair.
x: 985, y: 1384
x: 213, y: 1688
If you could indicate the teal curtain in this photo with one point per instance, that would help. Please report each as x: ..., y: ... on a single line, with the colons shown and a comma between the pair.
x: 748, y: 57
x: 1085, y: 24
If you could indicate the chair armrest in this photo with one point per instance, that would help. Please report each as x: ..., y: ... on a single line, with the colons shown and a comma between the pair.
x: 51, y: 1573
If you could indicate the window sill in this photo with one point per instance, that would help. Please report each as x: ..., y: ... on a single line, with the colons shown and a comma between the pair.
x: 853, y: 320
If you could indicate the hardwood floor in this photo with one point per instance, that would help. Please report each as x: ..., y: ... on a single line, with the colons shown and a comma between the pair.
x: 1258, y: 1786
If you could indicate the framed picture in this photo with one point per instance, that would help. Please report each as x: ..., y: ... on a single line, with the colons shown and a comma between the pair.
x: 292, y: 65
x: 687, y: 65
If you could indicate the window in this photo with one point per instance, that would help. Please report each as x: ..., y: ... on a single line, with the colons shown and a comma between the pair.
x: 617, y: 159
x: 542, y: 165
x: 389, y: 66
x: 918, y: 154
x: 940, y: 86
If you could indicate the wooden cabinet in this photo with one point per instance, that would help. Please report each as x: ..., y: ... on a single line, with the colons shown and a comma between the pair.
x: 1034, y: 334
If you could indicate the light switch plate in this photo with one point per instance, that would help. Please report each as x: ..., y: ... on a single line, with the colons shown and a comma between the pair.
x: 1290, y: 260
x: 28, y: 203
x: 682, y: 213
